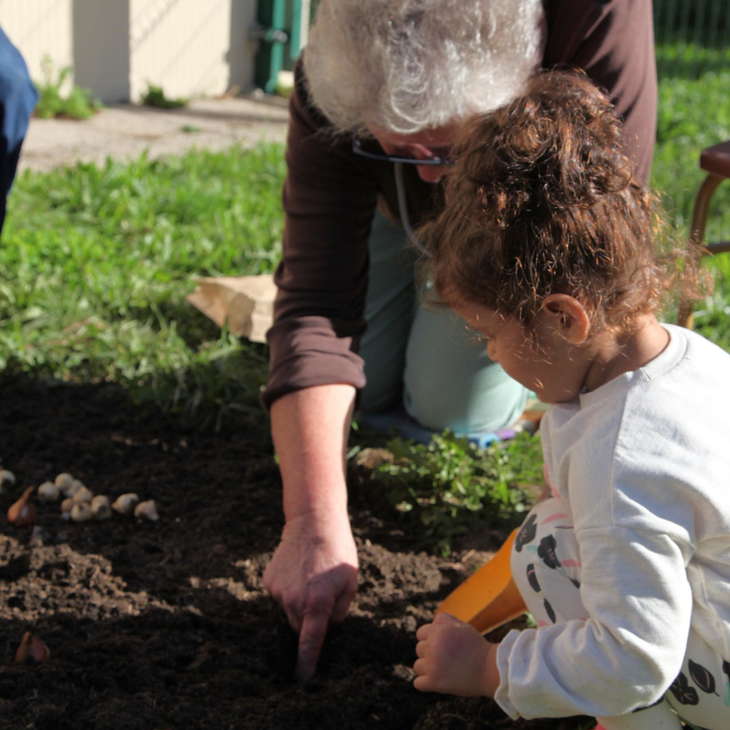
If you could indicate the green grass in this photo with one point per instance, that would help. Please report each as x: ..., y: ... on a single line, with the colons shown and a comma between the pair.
x: 693, y: 115
x: 155, y: 96
x: 96, y: 262
x: 680, y: 58
x: 59, y: 97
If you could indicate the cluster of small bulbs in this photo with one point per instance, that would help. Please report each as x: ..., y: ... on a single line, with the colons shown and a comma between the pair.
x: 78, y: 502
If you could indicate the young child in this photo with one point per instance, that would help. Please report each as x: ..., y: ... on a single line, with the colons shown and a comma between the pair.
x: 546, y: 249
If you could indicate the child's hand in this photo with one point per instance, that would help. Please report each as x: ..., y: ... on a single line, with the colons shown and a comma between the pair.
x: 454, y: 658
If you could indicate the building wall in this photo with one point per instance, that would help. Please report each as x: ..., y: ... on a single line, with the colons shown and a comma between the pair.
x: 40, y: 28
x: 101, y: 57
x: 116, y: 47
x: 198, y: 48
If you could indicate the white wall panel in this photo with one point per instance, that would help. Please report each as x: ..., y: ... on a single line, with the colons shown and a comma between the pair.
x: 39, y: 28
x: 188, y: 47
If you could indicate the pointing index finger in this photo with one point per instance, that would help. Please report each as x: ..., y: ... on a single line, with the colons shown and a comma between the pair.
x: 311, y: 638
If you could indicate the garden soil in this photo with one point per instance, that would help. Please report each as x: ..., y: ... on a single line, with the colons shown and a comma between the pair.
x: 165, y: 625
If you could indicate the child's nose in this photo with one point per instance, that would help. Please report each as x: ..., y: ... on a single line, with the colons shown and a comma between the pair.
x: 491, y: 351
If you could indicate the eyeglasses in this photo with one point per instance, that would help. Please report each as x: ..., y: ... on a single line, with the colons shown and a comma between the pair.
x: 435, y: 161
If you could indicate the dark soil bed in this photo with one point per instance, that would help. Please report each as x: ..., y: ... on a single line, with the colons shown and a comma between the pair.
x: 153, y: 626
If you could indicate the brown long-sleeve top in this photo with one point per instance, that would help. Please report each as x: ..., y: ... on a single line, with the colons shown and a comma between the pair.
x: 330, y: 194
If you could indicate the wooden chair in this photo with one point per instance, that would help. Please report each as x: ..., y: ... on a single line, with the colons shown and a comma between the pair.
x: 715, y: 161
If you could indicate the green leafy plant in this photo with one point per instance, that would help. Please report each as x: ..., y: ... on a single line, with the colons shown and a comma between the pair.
x: 450, y: 485
x: 155, y: 96
x: 54, y: 101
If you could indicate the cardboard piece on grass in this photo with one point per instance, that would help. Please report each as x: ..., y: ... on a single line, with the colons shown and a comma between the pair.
x: 243, y: 304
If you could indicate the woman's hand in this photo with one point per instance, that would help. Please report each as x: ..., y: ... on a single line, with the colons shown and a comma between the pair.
x: 454, y: 658
x: 313, y: 573
x: 313, y: 576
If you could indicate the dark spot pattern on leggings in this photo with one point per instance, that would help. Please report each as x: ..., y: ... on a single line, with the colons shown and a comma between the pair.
x: 546, y: 551
x: 527, y: 533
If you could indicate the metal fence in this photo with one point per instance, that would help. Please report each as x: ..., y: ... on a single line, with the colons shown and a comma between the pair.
x: 703, y: 22
x: 692, y: 36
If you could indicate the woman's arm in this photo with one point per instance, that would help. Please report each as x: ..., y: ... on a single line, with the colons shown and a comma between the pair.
x: 313, y: 573
x: 314, y: 370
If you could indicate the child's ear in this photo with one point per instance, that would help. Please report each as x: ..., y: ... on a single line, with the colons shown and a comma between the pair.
x: 568, y: 316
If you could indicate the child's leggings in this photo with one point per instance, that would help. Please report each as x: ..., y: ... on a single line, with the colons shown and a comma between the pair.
x: 701, y: 693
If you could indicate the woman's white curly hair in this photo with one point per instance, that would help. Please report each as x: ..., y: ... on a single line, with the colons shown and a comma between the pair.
x: 403, y: 66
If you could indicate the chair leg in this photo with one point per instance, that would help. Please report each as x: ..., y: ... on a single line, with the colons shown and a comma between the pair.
x: 697, y: 236
x: 684, y: 315
x: 701, y: 207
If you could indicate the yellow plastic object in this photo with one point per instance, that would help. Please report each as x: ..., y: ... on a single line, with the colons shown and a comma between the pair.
x: 489, y: 597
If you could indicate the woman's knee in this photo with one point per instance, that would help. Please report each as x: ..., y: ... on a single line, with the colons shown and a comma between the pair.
x: 449, y: 382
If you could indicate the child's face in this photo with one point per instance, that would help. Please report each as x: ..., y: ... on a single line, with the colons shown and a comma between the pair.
x: 553, y: 368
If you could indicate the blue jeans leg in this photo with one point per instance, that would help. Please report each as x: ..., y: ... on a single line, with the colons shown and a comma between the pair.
x: 18, y: 98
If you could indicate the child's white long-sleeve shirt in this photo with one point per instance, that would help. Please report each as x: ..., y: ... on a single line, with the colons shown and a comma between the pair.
x: 643, y: 464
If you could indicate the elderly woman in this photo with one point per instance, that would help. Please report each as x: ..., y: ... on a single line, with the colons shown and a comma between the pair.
x: 381, y: 89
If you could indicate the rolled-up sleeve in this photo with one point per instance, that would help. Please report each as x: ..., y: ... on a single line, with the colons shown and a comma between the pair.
x: 329, y: 200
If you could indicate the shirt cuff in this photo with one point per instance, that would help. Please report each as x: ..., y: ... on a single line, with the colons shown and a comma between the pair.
x: 501, y: 696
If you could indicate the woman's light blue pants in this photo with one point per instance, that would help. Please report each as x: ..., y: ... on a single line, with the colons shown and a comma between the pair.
x: 422, y: 357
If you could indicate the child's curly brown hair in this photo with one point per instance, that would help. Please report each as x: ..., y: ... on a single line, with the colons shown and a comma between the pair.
x: 542, y: 200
